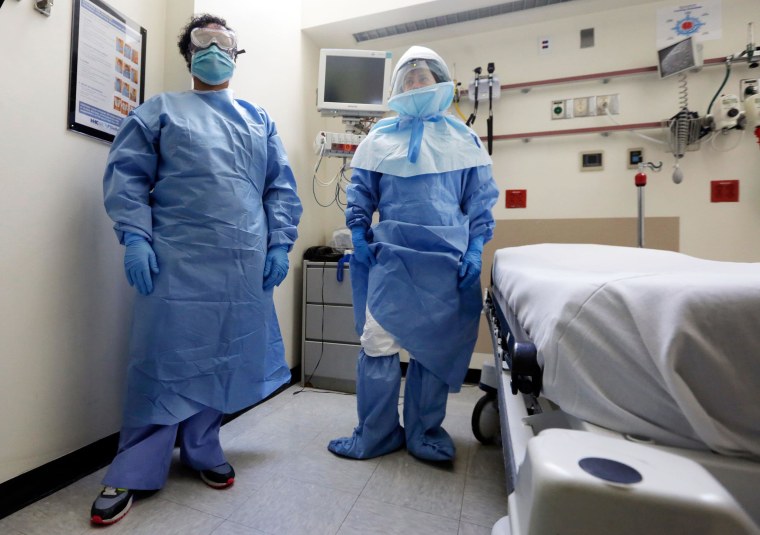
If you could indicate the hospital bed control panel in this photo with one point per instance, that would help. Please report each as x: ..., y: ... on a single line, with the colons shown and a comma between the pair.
x: 330, y: 344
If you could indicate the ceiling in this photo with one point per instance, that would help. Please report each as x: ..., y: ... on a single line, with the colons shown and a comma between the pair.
x: 412, y: 24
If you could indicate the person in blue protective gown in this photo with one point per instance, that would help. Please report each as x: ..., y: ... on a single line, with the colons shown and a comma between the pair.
x: 416, y: 273
x: 202, y: 196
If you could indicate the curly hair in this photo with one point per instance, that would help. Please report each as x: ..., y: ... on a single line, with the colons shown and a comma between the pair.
x: 198, y: 21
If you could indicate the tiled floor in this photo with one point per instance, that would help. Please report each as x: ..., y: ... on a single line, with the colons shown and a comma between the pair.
x: 288, y: 483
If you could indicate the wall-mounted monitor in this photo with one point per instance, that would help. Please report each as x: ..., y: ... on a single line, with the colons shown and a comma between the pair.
x: 679, y: 57
x: 353, y: 83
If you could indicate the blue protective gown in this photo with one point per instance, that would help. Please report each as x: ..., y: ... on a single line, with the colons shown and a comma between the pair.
x: 205, y: 178
x: 426, y: 222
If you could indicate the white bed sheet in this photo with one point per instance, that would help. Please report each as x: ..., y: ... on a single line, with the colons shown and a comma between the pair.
x: 643, y: 341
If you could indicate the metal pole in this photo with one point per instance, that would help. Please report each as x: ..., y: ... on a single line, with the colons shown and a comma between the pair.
x: 641, y: 216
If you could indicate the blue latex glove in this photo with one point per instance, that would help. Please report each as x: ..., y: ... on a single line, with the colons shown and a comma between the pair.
x: 139, y: 262
x: 362, y: 252
x: 469, y: 269
x: 276, y: 266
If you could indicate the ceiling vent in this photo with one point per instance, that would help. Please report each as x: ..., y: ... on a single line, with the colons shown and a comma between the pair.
x: 453, y: 18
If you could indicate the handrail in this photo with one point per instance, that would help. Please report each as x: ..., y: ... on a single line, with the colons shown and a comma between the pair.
x: 590, y: 130
x: 593, y: 76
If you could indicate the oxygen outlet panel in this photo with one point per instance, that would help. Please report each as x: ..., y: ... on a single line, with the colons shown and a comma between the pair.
x: 561, y: 109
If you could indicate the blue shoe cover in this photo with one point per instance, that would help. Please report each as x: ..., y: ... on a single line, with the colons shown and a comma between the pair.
x: 355, y: 447
x: 433, y: 446
x: 378, y: 382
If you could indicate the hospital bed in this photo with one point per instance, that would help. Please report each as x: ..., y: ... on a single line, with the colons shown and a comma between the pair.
x: 627, y: 387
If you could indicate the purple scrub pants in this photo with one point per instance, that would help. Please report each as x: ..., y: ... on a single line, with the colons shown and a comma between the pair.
x: 145, y: 453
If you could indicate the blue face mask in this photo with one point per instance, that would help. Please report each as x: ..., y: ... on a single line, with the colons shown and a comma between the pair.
x: 212, y: 66
x: 425, y: 101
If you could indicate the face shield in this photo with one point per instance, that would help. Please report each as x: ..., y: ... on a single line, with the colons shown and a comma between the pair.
x: 226, y: 40
x: 417, y: 73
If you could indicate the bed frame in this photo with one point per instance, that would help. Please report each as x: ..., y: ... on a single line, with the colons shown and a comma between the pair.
x: 564, y: 475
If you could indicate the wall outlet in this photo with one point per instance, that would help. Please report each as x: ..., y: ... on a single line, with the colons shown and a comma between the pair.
x: 608, y: 102
x: 747, y: 88
x: 581, y: 107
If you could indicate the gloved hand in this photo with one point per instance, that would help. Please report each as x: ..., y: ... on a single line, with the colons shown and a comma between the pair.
x: 139, y: 262
x: 276, y: 266
x: 362, y: 252
x: 469, y: 269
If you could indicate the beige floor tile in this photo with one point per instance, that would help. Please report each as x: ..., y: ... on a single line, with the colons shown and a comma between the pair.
x: 369, y: 517
x: 470, y: 529
x: 184, y: 487
x: 400, y: 479
x: 287, y: 506
x: 231, y: 528
x: 484, y: 501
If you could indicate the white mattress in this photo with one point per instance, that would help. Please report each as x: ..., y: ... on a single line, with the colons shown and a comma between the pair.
x: 643, y: 341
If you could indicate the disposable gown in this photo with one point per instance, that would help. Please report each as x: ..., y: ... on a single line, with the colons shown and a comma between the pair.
x: 425, y: 225
x: 205, y: 178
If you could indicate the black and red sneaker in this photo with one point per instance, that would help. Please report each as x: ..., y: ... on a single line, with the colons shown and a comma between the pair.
x: 219, y: 477
x: 111, y: 505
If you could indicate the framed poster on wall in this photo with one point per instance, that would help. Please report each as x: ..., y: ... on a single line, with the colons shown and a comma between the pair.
x: 107, y: 73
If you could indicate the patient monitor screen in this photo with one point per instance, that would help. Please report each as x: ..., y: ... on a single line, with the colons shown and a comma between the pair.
x: 354, y: 79
x: 677, y: 58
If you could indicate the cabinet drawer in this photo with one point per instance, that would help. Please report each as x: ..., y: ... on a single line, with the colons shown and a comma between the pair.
x: 322, y: 285
x: 337, y: 360
x: 338, y: 323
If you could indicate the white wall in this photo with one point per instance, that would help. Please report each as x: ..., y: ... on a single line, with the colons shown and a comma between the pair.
x: 65, y: 308
x: 176, y: 76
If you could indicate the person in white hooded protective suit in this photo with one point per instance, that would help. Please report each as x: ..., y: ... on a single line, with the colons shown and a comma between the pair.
x: 416, y: 273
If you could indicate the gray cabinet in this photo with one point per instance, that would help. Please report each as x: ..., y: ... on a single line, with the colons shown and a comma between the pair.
x: 330, y: 345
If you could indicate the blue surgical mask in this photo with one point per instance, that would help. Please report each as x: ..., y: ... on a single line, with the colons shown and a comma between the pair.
x: 212, y: 66
x: 425, y: 101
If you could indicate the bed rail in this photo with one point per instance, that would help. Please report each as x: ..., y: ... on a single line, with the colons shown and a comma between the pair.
x: 516, y: 350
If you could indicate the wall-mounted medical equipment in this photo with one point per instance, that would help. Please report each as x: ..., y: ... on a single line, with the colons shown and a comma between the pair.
x: 752, y: 112
x: 475, y: 88
x: 685, y: 127
x: 355, y: 86
x: 334, y: 144
x: 484, y: 87
x: 727, y: 113
x: 353, y: 83
x: 679, y: 57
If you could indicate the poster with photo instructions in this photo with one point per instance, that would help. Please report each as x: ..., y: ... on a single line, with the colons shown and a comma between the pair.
x: 107, y: 78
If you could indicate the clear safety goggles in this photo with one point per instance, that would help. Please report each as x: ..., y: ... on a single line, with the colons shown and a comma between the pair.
x: 201, y: 38
x: 418, y: 73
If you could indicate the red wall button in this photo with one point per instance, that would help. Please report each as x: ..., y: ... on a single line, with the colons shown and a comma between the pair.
x: 724, y: 191
x: 517, y: 198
